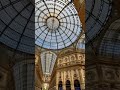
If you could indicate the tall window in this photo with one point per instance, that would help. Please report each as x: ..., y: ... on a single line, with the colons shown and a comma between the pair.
x: 60, y: 86
x: 68, y: 85
x: 77, y: 85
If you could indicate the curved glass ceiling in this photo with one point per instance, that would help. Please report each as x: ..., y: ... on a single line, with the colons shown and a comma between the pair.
x: 48, y: 61
x: 110, y: 45
x: 17, y: 28
x: 97, y: 13
x: 57, y: 24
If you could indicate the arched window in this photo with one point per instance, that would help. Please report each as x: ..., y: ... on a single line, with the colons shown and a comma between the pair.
x: 68, y: 85
x: 77, y: 85
x: 60, y: 85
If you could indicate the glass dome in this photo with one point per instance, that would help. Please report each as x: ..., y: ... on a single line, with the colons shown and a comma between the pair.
x: 110, y: 45
x: 57, y: 24
x: 17, y: 28
x: 97, y: 13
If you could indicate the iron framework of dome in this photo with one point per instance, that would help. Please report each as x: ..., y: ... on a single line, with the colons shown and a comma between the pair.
x: 57, y: 24
x: 97, y: 13
x: 110, y: 45
x: 17, y: 28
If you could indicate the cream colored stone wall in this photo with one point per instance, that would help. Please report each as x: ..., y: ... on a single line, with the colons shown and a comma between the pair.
x: 70, y: 67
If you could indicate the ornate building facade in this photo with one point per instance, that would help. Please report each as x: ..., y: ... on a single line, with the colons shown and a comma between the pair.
x: 70, y: 72
x: 65, y: 69
x: 42, y: 45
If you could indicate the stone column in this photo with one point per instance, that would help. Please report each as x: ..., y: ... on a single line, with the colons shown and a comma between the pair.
x: 64, y: 80
x: 82, y: 81
x: 72, y: 86
x: 72, y: 79
x: 64, y: 86
x: 24, y: 75
x: 57, y: 80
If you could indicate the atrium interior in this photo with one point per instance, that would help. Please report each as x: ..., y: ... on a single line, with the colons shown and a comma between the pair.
x: 59, y: 45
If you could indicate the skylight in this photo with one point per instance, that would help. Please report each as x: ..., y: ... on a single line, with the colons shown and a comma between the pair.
x: 48, y: 61
x: 57, y: 24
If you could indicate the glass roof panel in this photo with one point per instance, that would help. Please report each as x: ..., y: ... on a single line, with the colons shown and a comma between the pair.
x: 97, y: 13
x: 57, y: 24
x: 17, y: 28
x: 48, y: 61
x: 110, y: 45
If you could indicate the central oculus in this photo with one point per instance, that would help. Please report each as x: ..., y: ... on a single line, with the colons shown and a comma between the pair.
x: 52, y: 23
x: 57, y: 24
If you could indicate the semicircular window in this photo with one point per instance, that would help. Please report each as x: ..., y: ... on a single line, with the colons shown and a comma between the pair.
x: 97, y: 13
x: 57, y: 24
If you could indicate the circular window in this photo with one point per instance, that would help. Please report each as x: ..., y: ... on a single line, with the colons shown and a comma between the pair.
x: 57, y: 24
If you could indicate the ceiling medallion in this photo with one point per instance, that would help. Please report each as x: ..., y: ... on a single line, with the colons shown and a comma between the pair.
x: 52, y: 23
